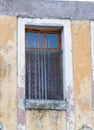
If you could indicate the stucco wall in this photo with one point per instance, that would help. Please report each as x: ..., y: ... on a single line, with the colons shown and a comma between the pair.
x: 8, y: 72
x: 84, y: 114
x: 44, y: 119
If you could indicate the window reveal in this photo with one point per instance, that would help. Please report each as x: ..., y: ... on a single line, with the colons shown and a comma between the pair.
x: 43, y: 65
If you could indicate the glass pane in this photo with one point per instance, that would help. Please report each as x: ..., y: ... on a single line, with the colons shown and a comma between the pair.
x: 52, y: 40
x: 42, y: 40
x: 31, y: 40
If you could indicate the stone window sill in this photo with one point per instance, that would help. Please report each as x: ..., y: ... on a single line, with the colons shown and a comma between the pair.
x: 46, y: 104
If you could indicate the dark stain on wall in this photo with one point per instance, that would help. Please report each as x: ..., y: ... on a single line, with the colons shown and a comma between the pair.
x: 2, y: 70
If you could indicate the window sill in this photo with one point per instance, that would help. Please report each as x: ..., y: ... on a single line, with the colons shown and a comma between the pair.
x: 46, y: 104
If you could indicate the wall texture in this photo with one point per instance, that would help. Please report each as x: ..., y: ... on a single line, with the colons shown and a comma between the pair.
x: 80, y: 14
x: 84, y: 114
x: 8, y: 72
x: 45, y: 120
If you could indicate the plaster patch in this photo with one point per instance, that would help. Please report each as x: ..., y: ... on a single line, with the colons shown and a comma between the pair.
x: 21, y: 104
x: 21, y: 117
x: 70, y: 110
x: 40, y: 125
x: 21, y: 127
x: 21, y: 92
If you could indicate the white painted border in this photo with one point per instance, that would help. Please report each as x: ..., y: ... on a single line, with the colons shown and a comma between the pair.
x: 67, y: 57
x: 92, y: 59
x: 21, y: 75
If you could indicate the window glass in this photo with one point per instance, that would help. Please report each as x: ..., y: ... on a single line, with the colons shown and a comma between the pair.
x: 31, y: 39
x: 42, y: 40
x: 52, y: 40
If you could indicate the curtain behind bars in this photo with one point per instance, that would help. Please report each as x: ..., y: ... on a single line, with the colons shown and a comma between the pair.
x: 44, y: 74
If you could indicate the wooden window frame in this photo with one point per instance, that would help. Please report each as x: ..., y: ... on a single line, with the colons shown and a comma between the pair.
x: 45, y: 32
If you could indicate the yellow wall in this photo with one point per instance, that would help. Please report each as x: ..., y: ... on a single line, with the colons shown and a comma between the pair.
x: 35, y: 120
x: 44, y: 119
x: 84, y: 113
x: 8, y: 72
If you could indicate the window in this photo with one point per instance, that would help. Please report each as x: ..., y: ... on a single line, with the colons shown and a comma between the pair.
x: 43, y: 65
x: 48, y: 60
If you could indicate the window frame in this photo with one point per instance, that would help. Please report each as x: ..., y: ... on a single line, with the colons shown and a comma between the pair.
x: 45, y: 32
x: 67, y: 64
x: 45, y: 48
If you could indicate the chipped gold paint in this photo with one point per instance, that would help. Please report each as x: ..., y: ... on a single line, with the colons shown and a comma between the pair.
x: 8, y: 72
x: 45, y: 120
x: 82, y: 74
x: 6, y: 34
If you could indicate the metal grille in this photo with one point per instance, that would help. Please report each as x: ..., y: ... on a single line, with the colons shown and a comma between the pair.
x: 44, y: 74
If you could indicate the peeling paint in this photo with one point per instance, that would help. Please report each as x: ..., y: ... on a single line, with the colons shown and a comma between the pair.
x: 8, y: 71
x: 70, y: 109
x: 81, y: 108
x: 84, y: 113
x: 21, y: 83
x: 21, y: 127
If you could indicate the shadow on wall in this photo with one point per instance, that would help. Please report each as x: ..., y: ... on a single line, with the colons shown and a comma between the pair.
x: 85, y: 127
x: 1, y: 126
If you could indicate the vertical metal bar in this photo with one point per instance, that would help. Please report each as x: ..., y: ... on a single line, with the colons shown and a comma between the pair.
x: 29, y: 77
x: 60, y: 90
x: 39, y: 74
x: 61, y: 72
x: 47, y: 62
x: 50, y: 76
x: 58, y: 78
x: 48, y: 85
x: 31, y: 74
x: 35, y: 78
x: 45, y: 76
x: 55, y: 81
x: 51, y: 60
x: 42, y: 75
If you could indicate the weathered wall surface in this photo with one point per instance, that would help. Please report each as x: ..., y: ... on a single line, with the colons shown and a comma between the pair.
x: 8, y: 72
x: 35, y: 120
x: 48, y: 8
x: 45, y: 120
x: 84, y: 114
